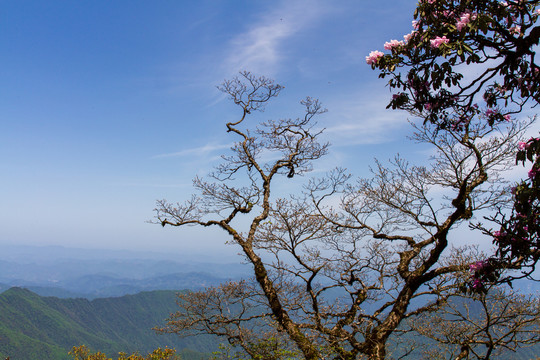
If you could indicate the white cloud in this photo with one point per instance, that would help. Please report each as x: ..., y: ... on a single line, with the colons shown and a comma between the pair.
x: 364, y: 119
x: 259, y: 49
x: 201, y: 150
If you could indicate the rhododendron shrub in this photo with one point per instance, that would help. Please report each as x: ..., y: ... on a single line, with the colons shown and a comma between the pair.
x: 518, y: 240
x: 496, y: 38
x: 430, y: 75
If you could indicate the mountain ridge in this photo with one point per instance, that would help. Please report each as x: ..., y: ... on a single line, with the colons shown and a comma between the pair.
x: 35, y: 327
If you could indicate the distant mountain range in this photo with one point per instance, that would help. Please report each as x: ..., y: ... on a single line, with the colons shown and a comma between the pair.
x: 72, y: 273
x: 46, y: 328
x: 100, y: 286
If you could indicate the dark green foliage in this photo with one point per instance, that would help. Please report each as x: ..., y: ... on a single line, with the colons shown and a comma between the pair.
x: 34, y: 327
x: 518, y: 239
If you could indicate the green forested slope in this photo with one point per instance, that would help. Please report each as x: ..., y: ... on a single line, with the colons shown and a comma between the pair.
x: 46, y: 328
x: 34, y: 327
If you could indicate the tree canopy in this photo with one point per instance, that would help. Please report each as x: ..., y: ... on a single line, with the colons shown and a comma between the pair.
x: 341, y: 267
x: 476, y: 59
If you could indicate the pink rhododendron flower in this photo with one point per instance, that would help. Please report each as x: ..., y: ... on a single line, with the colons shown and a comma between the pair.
x: 435, y: 43
x: 408, y: 37
x: 522, y: 145
x: 477, y: 265
x: 507, y: 117
x: 373, y: 57
x: 464, y: 19
x: 477, y: 284
x: 392, y: 44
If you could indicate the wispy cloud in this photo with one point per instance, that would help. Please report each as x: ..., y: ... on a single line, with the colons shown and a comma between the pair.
x: 151, y: 184
x: 260, y: 48
x: 363, y: 119
x: 199, y: 151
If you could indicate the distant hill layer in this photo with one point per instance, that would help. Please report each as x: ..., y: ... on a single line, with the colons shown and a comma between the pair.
x: 97, y: 278
x: 93, y: 286
x: 46, y: 328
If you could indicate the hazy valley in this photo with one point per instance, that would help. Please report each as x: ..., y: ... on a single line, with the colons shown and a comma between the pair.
x: 64, y: 272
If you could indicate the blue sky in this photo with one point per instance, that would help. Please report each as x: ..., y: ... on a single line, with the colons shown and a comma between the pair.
x: 106, y: 106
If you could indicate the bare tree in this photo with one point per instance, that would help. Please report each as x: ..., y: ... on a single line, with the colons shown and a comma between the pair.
x: 336, y: 267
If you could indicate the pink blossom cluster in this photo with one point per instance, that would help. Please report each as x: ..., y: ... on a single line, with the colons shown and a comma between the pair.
x: 373, y: 57
x: 435, y: 43
x: 408, y: 37
x: 389, y: 45
x: 500, y: 237
x: 477, y: 283
x: 464, y: 19
x: 448, y: 13
x: 477, y: 265
x: 522, y: 145
x: 515, y: 4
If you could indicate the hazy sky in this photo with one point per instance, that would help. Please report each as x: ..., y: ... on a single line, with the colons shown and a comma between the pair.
x: 106, y: 106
